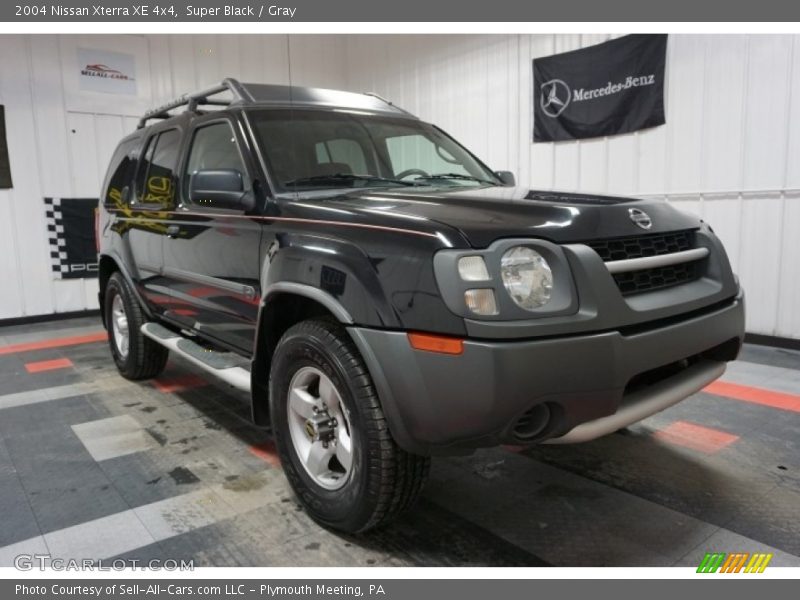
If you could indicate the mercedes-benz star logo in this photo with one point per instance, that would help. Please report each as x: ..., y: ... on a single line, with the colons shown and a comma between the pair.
x: 554, y: 98
x: 641, y: 218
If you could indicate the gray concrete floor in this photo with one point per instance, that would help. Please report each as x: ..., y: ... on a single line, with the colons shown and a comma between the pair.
x: 94, y: 466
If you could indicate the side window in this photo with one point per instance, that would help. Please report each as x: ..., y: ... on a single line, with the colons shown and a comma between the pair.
x: 341, y: 156
x: 120, y: 174
x: 420, y: 152
x: 144, y: 166
x: 156, y: 181
x: 213, y: 147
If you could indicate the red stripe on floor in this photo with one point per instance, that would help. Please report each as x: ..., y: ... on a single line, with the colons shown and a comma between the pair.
x: 179, y: 383
x: 755, y: 395
x: 48, y: 365
x: 696, y: 437
x: 99, y: 336
x: 267, y: 453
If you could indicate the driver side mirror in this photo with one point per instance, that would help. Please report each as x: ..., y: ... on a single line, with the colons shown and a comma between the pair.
x: 507, y: 177
x: 220, y: 188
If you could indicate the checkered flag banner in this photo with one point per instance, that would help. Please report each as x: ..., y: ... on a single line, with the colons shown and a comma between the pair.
x: 70, y: 230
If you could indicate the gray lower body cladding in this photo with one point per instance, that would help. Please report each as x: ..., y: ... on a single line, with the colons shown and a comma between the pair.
x: 507, y: 392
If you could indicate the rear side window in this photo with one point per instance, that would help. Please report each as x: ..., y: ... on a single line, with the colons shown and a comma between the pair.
x: 156, y: 181
x: 120, y: 174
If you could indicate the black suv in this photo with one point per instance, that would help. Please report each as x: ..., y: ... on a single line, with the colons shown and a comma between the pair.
x: 385, y: 296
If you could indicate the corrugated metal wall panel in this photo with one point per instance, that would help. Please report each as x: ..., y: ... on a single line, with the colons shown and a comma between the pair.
x: 723, y: 112
x: 766, y: 112
x: 788, y: 321
x: 24, y: 204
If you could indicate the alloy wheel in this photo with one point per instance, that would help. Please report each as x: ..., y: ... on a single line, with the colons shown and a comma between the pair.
x: 119, y: 326
x: 320, y: 428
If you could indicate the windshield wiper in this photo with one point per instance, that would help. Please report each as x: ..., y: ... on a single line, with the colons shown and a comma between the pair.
x: 457, y: 176
x: 336, y: 177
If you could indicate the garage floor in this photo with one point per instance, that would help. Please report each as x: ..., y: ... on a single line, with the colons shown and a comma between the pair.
x: 94, y: 466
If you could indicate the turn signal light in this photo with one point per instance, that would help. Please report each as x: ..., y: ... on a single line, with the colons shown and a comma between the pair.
x: 436, y: 343
x: 481, y: 301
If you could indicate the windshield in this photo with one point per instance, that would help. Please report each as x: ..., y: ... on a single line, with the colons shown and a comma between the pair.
x: 317, y: 150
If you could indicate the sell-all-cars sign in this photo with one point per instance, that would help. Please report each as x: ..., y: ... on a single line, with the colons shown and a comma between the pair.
x: 611, y: 88
x: 107, y: 72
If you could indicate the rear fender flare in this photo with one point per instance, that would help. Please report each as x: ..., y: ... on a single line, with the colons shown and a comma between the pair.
x: 119, y: 265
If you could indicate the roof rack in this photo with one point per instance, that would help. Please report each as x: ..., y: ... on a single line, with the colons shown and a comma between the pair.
x: 195, y: 99
x: 389, y: 102
x: 268, y: 94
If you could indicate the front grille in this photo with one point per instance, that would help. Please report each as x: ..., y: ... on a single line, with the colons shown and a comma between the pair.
x: 648, y: 280
x: 643, y: 245
x: 657, y: 278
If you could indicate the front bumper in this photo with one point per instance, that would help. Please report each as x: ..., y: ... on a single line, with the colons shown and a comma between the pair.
x: 451, y: 404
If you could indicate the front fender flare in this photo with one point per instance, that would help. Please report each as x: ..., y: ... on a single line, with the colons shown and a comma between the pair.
x: 300, y: 289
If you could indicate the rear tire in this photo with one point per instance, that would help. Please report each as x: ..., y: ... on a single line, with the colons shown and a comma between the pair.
x: 136, y: 356
x: 317, y: 366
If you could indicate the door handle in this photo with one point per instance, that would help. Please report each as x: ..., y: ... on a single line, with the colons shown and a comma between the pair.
x: 173, y: 231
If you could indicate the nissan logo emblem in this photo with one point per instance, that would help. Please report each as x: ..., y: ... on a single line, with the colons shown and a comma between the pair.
x: 641, y: 218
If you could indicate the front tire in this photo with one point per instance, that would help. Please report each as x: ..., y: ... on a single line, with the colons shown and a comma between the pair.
x: 136, y: 356
x: 331, y: 433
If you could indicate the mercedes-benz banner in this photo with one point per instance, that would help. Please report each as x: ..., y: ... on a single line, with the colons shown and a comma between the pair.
x: 611, y: 88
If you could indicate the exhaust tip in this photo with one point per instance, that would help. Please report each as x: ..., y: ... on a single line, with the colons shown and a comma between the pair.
x: 532, y: 423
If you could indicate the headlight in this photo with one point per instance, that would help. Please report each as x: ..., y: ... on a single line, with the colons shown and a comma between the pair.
x: 472, y: 268
x: 527, y: 277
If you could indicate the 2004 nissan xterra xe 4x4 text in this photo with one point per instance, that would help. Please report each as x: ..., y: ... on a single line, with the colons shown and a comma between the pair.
x: 385, y: 297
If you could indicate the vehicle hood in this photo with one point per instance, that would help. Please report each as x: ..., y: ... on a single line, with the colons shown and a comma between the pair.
x: 486, y: 214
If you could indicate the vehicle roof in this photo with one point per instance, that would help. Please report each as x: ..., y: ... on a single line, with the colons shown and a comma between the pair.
x: 269, y: 95
x: 260, y: 95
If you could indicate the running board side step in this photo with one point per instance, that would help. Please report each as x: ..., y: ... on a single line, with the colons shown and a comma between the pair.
x: 225, y: 366
x: 642, y: 404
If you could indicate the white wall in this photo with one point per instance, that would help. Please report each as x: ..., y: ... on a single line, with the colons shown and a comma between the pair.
x: 60, y: 138
x: 730, y: 150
